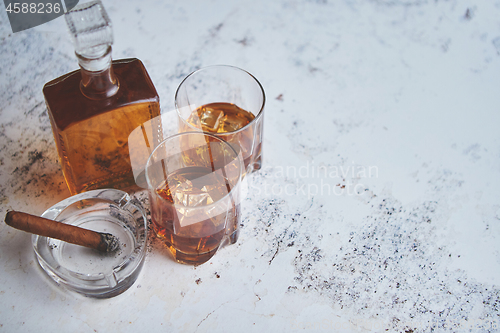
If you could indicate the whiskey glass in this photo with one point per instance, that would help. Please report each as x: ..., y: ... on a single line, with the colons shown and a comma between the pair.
x: 228, y: 102
x: 194, y: 191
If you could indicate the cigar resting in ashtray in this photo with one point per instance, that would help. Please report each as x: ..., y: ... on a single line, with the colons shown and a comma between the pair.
x: 104, y: 242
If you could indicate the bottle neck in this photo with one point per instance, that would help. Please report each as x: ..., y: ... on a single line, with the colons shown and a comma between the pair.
x: 98, y: 78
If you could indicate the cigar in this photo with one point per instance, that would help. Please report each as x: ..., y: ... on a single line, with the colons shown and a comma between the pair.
x: 68, y: 233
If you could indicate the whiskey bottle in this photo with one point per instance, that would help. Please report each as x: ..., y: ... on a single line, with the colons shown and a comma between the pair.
x: 94, y: 109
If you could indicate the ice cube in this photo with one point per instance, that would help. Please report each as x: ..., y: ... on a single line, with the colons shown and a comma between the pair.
x: 217, y: 188
x: 209, y: 198
x: 210, y: 118
x: 233, y: 121
x: 196, y: 192
x: 189, y: 197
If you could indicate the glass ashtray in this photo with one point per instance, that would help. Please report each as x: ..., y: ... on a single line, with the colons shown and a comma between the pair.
x: 88, y: 271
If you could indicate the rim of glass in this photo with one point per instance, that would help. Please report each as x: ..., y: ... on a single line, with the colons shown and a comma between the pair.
x: 240, y: 161
x: 258, y: 116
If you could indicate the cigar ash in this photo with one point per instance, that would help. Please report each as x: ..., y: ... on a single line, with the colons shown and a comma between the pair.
x: 112, y: 242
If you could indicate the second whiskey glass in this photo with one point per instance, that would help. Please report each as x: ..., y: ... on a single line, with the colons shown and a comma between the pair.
x: 194, y: 191
x: 228, y: 102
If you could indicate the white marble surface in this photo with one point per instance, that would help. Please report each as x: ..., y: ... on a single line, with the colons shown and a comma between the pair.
x: 403, y: 92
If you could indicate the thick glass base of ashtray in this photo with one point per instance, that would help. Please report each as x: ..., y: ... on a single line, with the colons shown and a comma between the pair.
x: 87, y: 271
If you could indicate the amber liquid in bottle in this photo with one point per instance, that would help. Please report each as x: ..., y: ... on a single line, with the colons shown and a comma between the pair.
x: 91, y: 130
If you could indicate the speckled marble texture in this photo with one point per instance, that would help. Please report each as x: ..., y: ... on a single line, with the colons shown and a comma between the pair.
x: 378, y: 206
